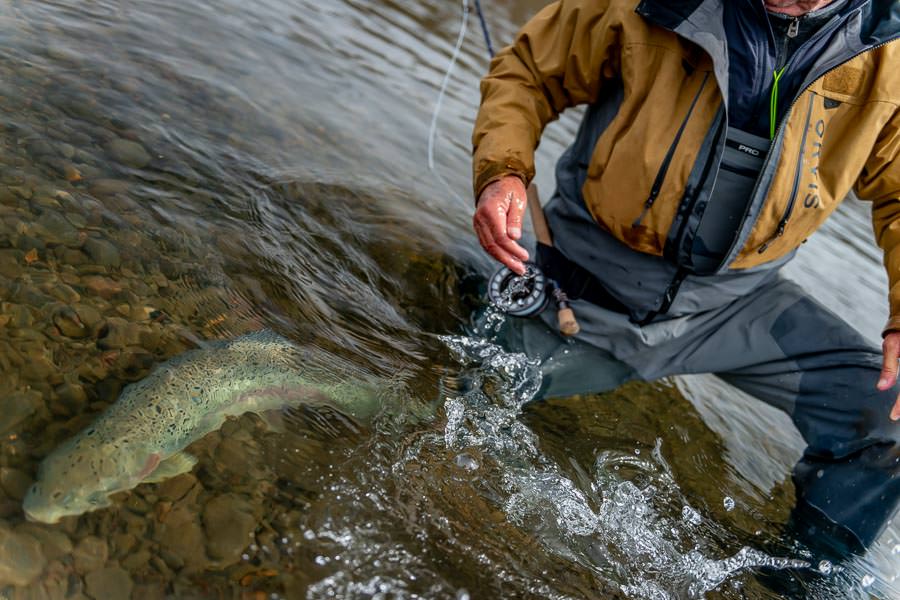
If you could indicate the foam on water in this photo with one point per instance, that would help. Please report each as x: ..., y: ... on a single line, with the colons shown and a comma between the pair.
x: 617, y: 520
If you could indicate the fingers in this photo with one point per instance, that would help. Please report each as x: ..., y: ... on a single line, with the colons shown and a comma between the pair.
x: 888, y: 377
x: 514, y: 216
x: 891, y: 352
x: 498, y: 222
x: 501, y: 247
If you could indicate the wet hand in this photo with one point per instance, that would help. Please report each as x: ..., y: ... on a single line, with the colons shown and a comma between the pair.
x: 498, y: 221
x: 891, y: 349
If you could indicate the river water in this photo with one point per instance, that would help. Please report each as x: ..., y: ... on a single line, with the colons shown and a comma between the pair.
x: 174, y: 172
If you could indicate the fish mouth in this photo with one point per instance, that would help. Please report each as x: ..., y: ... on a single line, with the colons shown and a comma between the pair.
x: 33, y: 517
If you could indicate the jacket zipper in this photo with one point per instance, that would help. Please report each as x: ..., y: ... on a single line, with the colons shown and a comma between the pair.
x: 663, y: 169
x: 780, y: 68
x: 779, y: 231
x: 781, y: 127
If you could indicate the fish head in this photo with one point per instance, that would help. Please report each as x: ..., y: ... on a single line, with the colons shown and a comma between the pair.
x: 80, y: 477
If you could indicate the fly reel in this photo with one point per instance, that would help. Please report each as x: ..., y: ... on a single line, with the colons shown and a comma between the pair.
x: 520, y: 295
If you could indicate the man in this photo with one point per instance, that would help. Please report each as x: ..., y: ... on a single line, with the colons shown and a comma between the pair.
x: 718, y: 136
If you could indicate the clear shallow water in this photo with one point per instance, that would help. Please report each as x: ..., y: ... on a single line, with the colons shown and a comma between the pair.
x: 176, y: 172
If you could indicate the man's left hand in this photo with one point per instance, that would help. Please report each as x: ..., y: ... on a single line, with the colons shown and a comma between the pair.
x: 891, y: 348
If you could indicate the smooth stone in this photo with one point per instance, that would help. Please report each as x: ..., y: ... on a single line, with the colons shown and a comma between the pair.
x: 19, y: 316
x: 176, y: 488
x: 39, y: 366
x: 12, y: 264
x: 107, y: 187
x: 54, y: 543
x: 89, y: 315
x: 102, y: 252
x: 75, y: 218
x: 69, y: 323
x: 40, y: 148
x: 137, y: 505
x: 154, y: 590
x: 175, y: 561
x: 22, y: 191
x: 21, y: 557
x: 64, y: 293
x: 90, y: 554
x: 70, y: 256
x: 19, y: 406
x: 110, y: 583
x: 15, y: 483
x: 129, y: 153
x: 119, y: 333
x: 229, y: 524
x: 55, y: 229
x: 72, y: 396
x: 136, y: 560
x: 182, y: 536
x: 45, y: 202
x: 104, y: 287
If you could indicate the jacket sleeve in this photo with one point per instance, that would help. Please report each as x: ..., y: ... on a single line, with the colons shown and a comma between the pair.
x: 557, y: 60
x: 880, y: 183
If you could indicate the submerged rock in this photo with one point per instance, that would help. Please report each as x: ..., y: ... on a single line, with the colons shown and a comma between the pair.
x: 129, y: 153
x: 180, y: 537
x: 14, y: 482
x: 21, y: 558
x: 102, y: 252
x: 229, y: 523
x: 19, y: 406
x: 90, y: 554
x: 54, y: 543
x: 177, y: 487
x: 110, y: 583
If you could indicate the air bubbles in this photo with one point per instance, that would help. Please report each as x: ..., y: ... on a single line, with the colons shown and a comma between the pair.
x: 691, y: 516
x: 728, y: 503
x: 867, y: 580
x: 825, y: 567
x: 467, y: 462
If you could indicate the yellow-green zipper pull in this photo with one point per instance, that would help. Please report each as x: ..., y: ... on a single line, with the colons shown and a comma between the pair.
x: 773, y: 101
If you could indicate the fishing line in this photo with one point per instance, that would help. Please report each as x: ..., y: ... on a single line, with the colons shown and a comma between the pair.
x: 437, y: 107
x: 463, y: 27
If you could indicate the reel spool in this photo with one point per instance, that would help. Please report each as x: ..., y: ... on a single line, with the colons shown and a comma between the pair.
x: 520, y: 295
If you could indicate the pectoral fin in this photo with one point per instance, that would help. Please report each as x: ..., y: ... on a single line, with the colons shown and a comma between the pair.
x: 178, y: 463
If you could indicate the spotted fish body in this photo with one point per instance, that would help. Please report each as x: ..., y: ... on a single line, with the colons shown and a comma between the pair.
x: 141, y: 437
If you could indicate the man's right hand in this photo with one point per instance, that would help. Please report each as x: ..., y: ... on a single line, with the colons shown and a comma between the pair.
x: 498, y: 221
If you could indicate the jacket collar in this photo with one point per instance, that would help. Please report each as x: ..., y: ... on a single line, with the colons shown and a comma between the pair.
x: 880, y: 18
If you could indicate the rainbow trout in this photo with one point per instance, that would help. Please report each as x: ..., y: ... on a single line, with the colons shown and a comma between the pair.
x: 141, y: 437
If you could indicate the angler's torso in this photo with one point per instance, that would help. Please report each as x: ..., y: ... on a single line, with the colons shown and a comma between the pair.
x: 646, y: 156
x: 645, y: 160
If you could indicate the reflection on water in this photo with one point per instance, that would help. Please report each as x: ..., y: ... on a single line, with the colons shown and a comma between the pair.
x: 179, y: 172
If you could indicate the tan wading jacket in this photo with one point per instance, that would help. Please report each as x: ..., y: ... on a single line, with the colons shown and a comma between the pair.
x: 841, y: 133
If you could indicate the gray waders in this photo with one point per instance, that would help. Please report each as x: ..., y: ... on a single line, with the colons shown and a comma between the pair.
x: 777, y: 344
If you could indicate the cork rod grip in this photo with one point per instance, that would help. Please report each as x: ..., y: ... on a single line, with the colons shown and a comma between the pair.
x: 538, y: 220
